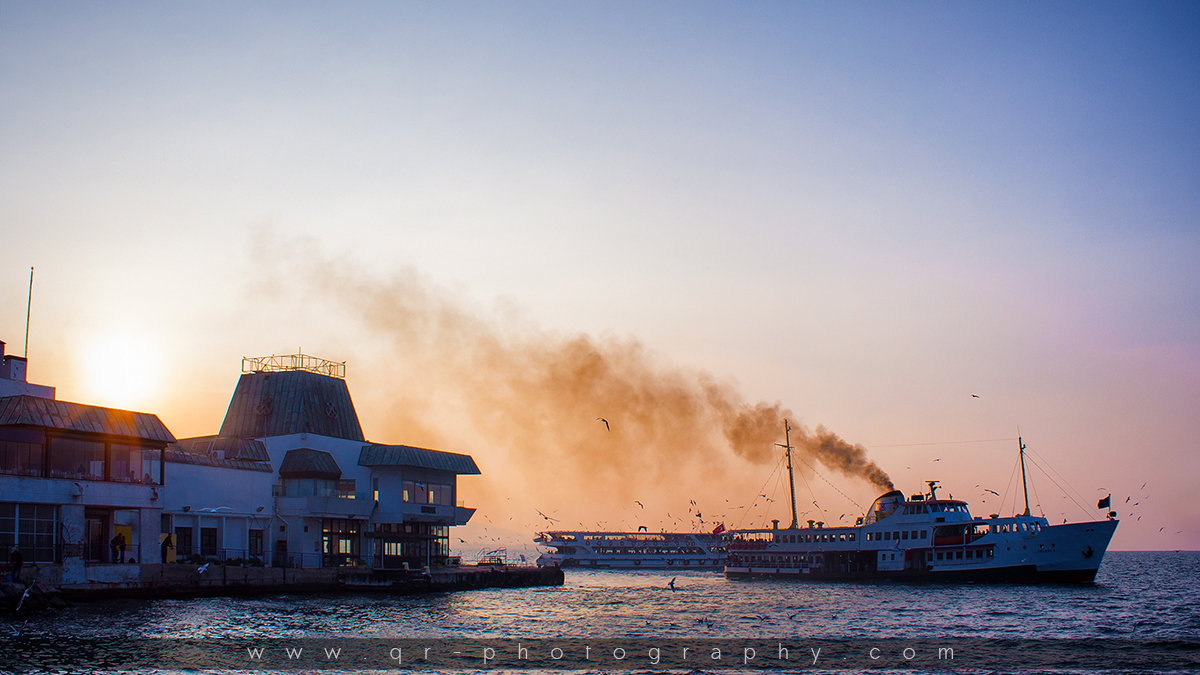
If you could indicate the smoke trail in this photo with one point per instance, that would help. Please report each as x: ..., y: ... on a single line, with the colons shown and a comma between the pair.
x: 525, y: 401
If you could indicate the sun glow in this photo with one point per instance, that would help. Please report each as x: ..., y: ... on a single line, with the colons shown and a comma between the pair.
x: 121, y: 370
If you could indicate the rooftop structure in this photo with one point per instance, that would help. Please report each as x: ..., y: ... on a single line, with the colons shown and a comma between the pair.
x: 282, y: 402
x: 290, y: 362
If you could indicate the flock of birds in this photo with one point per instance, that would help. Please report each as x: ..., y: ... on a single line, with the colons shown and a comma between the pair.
x: 694, y: 519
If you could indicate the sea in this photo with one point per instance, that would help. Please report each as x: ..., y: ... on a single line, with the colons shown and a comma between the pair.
x: 1141, y: 616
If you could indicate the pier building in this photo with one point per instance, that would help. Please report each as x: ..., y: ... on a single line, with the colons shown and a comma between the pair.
x: 290, y: 480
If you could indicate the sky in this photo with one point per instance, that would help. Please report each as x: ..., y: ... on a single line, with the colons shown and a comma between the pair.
x: 928, y: 228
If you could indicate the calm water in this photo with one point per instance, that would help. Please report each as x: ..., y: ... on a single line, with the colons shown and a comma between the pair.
x: 1141, y: 596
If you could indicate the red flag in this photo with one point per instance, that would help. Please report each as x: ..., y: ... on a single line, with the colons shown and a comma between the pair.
x: 719, y: 529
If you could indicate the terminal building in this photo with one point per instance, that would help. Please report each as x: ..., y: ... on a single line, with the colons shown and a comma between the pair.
x: 290, y: 480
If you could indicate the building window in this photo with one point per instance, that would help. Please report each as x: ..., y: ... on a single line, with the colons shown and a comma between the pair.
x: 346, y: 489
x: 208, y: 541
x: 183, y: 542
x: 73, y: 458
x: 31, y: 528
x: 255, y: 543
x: 21, y: 459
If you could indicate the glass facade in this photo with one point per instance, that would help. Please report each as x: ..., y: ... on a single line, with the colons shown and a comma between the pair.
x: 82, y: 459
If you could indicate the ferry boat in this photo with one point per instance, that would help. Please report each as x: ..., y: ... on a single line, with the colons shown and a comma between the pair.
x: 926, y: 538
x: 634, y: 550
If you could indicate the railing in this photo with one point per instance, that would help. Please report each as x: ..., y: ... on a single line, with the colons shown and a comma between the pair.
x: 289, y: 362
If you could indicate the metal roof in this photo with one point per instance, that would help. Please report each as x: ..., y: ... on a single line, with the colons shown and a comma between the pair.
x: 309, y: 463
x: 292, y: 402
x: 407, y: 455
x: 245, y: 449
x: 173, y: 453
x: 66, y: 416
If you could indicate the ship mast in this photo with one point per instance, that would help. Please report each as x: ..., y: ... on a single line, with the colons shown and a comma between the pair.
x: 1024, y: 483
x: 787, y: 446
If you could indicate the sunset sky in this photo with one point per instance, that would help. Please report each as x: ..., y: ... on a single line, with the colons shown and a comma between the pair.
x: 511, y: 219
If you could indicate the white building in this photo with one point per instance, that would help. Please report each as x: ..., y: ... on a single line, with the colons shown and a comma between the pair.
x: 74, y: 476
x: 290, y: 480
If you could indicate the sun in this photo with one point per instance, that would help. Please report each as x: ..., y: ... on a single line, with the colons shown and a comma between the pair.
x: 121, y: 369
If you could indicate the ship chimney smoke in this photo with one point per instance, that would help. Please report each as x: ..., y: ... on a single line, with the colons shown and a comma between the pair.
x: 525, y: 400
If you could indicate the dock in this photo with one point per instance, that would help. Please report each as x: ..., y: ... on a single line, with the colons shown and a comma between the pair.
x: 175, y: 580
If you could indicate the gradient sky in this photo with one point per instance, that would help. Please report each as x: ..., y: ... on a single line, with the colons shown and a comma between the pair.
x: 864, y: 211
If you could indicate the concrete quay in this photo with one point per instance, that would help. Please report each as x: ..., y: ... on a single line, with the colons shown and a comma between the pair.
x: 174, y: 580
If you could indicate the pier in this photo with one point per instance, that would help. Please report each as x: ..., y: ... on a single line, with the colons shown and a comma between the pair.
x: 173, y: 580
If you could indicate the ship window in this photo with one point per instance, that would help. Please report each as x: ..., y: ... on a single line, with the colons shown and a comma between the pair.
x: 923, y: 534
x: 893, y: 556
x: 868, y: 536
x: 991, y: 553
x: 914, y: 534
x: 968, y: 555
x: 929, y: 556
x: 887, y: 536
x: 958, y: 555
x: 905, y: 535
x: 850, y: 536
x: 924, y: 509
x: 895, y: 535
x: 883, y: 556
x: 941, y: 556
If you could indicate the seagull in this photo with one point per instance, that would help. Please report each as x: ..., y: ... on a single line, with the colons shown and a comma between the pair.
x: 203, y: 568
x: 23, y: 596
x: 974, y: 395
x: 606, y: 427
x: 938, y: 459
x: 993, y: 492
x: 1128, y: 498
x: 638, y: 503
x: 17, y: 631
x: 671, y: 583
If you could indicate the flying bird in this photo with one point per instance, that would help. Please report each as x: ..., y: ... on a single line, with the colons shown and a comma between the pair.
x: 993, y: 492
x: 671, y: 583
x: 23, y: 596
x: 638, y: 503
x: 974, y: 395
x: 606, y: 427
x: 203, y: 568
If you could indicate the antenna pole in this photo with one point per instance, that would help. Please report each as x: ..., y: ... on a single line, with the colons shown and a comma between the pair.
x: 28, y: 307
x: 1024, y: 483
x: 791, y: 477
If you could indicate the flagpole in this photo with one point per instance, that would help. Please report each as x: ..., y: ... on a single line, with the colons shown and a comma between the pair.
x: 28, y: 306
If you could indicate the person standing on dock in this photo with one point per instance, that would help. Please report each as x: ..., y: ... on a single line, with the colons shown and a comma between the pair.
x: 16, y: 561
x: 166, y: 544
